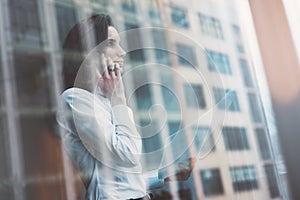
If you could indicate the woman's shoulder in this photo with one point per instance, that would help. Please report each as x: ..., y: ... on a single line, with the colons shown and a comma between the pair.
x: 75, y: 92
x: 77, y: 95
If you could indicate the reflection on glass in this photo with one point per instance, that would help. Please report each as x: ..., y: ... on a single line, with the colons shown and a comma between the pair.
x: 219, y: 93
x: 238, y: 39
x: 66, y: 18
x: 151, y: 143
x: 263, y: 144
x: 30, y: 28
x: 194, y: 96
x: 272, y: 181
x: 186, y: 55
x: 159, y: 41
x: 129, y: 6
x: 180, y: 145
x: 247, y: 77
x: 204, y: 140
x: 254, y: 108
x: 218, y: 62
x: 26, y: 25
x: 134, y: 42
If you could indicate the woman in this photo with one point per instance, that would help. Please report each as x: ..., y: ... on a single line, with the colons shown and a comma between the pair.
x: 100, y: 134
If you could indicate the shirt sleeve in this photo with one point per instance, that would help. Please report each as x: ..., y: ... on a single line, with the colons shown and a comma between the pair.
x: 110, y: 140
x: 152, y: 180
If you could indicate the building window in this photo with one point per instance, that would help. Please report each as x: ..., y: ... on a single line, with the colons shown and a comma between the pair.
x: 129, y: 6
x: 153, y: 12
x: 179, y: 17
x: 238, y: 39
x: 154, y: 15
x: 25, y: 21
x: 219, y: 93
x: 247, y: 78
x: 65, y: 18
x: 174, y: 128
x: 171, y: 103
x: 203, y: 140
x: 142, y: 92
x: 211, y: 182
x: 103, y: 3
x: 134, y: 44
x: 159, y: 41
x: 186, y: 55
x: 32, y: 80
x: 211, y: 26
x: 262, y: 140
x: 178, y: 139
x: 151, y: 143
x: 254, y: 107
x: 235, y: 138
x: 143, y: 97
x: 272, y: 181
x: 194, y: 96
x: 218, y: 62
x: 243, y: 178
x: 6, y: 168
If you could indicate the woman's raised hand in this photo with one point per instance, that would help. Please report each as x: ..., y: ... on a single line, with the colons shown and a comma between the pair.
x: 111, y: 82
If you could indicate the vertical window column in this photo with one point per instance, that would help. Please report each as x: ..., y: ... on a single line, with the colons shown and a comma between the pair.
x: 255, y: 108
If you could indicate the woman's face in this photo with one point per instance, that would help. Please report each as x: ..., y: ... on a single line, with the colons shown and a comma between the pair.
x: 113, y: 49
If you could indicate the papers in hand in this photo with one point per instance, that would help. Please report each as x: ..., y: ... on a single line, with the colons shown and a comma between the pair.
x: 179, y: 165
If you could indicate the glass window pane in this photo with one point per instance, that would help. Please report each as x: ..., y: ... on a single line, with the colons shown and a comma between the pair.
x: 159, y: 41
x: 129, y: 6
x: 247, y: 78
x: 194, y: 96
x: 66, y: 18
x: 218, y: 62
x: 170, y: 98
x: 219, y: 93
x: 235, y: 138
x: 186, y: 55
x: 211, y: 182
x: 6, y: 189
x: 263, y: 144
x: 202, y: 50
x: 243, y: 178
x: 26, y: 24
x: 134, y: 43
x: 179, y: 17
x: 178, y: 140
x: 254, y: 108
x: 211, y: 26
x: 32, y: 81
x: 151, y: 139
x: 272, y: 180
x: 204, y: 140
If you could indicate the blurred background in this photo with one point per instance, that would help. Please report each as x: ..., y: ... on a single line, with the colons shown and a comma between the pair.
x: 240, y: 153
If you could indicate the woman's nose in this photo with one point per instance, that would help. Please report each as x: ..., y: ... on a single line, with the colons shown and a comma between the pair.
x: 122, y: 53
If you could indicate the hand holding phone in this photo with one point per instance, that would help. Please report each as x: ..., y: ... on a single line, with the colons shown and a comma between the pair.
x: 111, y: 81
